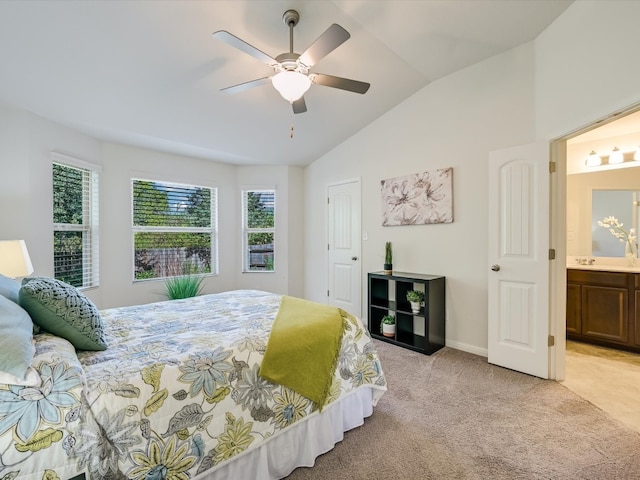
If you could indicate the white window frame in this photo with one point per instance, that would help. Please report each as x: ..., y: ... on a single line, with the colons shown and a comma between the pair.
x: 246, y: 230
x: 212, y: 230
x: 90, y: 217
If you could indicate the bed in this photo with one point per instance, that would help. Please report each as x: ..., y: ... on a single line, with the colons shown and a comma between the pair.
x: 177, y: 393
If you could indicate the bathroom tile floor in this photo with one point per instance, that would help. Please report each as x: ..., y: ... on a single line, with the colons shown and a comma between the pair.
x: 608, y: 378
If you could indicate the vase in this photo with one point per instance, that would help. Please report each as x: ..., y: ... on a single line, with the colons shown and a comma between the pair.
x: 388, y: 330
x: 415, y: 307
x: 388, y: 268
x: 631, y: 253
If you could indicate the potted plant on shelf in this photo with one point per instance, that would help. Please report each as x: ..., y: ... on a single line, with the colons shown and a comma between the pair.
x: 388, y: 326
x: 388, y: 259
x: 416, y: 299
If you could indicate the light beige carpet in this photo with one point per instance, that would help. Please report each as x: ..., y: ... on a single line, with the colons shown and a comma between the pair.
x: 453, y: 416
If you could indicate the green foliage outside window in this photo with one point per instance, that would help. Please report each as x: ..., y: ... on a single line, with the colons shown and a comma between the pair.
x: 260, y: 215
x: 169, y: 206
x: 69, y: 185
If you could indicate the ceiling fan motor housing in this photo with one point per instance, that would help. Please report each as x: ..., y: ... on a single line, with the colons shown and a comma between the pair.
x: 290, y: 18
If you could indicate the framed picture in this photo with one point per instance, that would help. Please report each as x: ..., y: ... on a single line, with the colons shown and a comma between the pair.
x: 418, y: 199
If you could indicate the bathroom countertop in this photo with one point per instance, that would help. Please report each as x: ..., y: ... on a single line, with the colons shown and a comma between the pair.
x: 606, y: 268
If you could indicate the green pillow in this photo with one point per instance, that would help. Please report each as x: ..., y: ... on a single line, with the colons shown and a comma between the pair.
x: 16, y: 343
x: 63, y: 310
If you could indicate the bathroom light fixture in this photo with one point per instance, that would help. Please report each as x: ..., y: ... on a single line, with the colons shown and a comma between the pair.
x: 593, y: 159
x: 14, y: 259
x: 616, y: 156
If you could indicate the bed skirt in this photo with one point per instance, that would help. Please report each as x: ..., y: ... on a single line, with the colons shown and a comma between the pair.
x: 300, y: 444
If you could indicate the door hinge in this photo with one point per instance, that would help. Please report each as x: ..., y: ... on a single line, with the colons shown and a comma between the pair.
x: 552, y: 167
x: 327, y: 293
x: 551, y: 341
x: 328, y: 247
x: 328, y: 202
x: 552, y: 254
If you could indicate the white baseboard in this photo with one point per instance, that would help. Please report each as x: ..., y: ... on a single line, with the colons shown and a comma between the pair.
x: 465, y: 347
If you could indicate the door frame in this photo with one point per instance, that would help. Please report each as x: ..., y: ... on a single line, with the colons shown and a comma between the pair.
x: 558, y: 238
x: 358, y: 181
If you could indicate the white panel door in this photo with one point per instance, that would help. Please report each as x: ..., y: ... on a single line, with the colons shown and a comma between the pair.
x: 344, y: 247
x: 519, y: 259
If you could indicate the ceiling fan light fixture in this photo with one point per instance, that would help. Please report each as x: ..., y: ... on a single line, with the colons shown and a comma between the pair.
x: 291, y: 84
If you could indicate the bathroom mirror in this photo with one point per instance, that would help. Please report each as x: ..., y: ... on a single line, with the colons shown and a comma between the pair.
x: 622, y: 204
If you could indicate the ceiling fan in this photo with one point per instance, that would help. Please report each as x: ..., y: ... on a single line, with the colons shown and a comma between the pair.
x: 291, y: 76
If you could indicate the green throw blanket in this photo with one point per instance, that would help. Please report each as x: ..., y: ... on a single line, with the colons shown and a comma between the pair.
x: 303, y: 348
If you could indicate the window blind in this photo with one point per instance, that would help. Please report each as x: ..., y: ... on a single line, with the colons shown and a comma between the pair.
x: 174, y: 229
x: 75, y: 225
x: 259, y: 210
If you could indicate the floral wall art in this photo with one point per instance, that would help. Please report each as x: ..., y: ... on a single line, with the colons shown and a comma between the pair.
x: 418, y: 199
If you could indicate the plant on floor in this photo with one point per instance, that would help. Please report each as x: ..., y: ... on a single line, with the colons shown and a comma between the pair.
x: 185, y: 286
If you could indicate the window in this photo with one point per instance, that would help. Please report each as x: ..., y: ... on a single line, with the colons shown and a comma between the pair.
x: 258, y: 230
x: 75, y: 221
x: 174, y: 229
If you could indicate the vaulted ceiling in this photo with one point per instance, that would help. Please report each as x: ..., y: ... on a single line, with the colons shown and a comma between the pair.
x: 149, y: 73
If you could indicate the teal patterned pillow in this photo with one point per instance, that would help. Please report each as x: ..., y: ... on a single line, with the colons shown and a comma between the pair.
x: 63, y: 310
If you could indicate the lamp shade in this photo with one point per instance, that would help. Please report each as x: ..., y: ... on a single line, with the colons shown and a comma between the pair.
x: 14, y: 259
x: 291, y: 84
x: 593, y: 160
x: 616, y: 156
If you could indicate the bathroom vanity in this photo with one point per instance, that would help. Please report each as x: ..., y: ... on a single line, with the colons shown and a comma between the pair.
x: 603, y: 305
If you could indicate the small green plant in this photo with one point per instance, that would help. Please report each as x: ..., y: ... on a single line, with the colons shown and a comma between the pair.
x: 186, y: 286
x: 388, y: 254
x: 388, y: 320
x: 415, y: 296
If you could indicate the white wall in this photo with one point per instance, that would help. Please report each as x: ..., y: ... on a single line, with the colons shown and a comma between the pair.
x: 586, y: 65
x: 287, y: 275
x: 26, y: 143
x: 121, y: 163
x: 580, y: 69
x: 454, y: 122
x: 26, y: 191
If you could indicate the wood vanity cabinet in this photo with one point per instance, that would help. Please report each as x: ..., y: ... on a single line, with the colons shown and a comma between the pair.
x: 604, y: 308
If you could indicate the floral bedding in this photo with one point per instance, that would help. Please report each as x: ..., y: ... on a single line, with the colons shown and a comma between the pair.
x: 176, y: 394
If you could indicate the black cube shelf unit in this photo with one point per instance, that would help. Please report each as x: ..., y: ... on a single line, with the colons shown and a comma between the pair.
x: 423, y: 332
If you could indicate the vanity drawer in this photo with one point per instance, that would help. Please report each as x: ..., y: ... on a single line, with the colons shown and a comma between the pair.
x: 591, y: 277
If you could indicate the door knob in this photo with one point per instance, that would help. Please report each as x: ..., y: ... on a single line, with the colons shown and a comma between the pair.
x: 354, y: 258
x: 495, y: 268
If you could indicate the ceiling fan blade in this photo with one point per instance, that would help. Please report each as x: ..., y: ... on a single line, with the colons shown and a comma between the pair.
x: 299, y: 106
x: 234, y: 41
x: 246, y: 85
x: 332, y: 38
x: 339, y: 82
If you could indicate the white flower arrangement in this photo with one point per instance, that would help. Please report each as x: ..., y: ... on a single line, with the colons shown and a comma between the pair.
x: 615, y: 228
